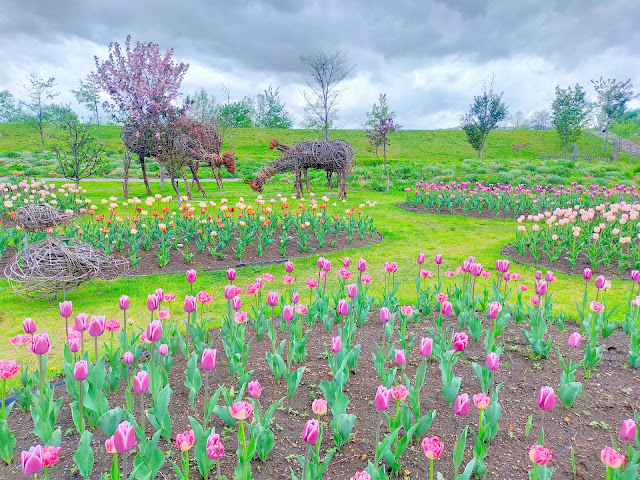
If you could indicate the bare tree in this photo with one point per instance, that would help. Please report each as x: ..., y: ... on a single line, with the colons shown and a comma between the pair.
x: 519, y: 121
x: 326, y: 72
x: 541, y: 120
x: 39, y: 91
x: 89, y: 94
x: 203, y: 107
x: 612, y: 98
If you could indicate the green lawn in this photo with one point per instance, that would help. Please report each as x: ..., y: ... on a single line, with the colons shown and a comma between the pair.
x: 405, y: 235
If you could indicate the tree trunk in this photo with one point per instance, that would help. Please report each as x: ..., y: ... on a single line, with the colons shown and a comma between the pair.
x: 161, y: 176
x: 175, y: 183
x: 480, y: 151
x: 126, y: 163
x: 386, y: 170
x: 566, y: 148
x: 98, y: 122
x: 144, y: 174
x: 186, y: 183
x: 606, y: 140
x: 42, y: 138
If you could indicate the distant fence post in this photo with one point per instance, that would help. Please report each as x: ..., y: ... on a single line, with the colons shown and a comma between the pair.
x: 614, y: 149
x: 574, y: 152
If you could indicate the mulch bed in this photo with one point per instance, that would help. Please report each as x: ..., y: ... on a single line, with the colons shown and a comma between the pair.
x: 610, y: 396
x: 148, y: 264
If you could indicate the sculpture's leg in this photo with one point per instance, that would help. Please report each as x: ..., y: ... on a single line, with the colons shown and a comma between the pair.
x: 306, y: 179
x: 218, y: 176
x: 144, y: 174
x: 186, y: 183
x: 329, y: 173
x: 196, y: 179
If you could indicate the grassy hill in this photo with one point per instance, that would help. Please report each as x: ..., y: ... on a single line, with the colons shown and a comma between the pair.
x: 413, y: 154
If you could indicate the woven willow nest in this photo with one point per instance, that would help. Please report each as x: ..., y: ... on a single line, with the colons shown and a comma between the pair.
x: 39, y: 216
x: 59, y: 264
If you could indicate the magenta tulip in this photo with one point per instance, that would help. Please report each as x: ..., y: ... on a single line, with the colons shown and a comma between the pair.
x: 541, y: 288
x: 538, y: 275
x: 400, y: 356
x: 447, y: 308
x: 288, y: 266
x: 342, y: 308
x: 254, y: 389
x: 127, y: 358
x: 493, y: 361
x: 426, y: 346
x: 125, y: 437
x: 548, y: 276
x: 190, y: 304
x: 65, y: 308
x: 420, y: 258
x: 311, y: 431
x: 236, y: 302
x: 154, y: 331
x: 191, y: 276
x: 288, y: 313
x: 29, y: 326
x: 230, y: 291
x: 352, y: 290
x: 385, y: 315
x: 575, y: 339
x: 493, y: 310
x: 461, y: 405
x: 163, y: 350
x: 208, y: 360
x: 628, y: 429
x: 159, y: 292
x: 80, y: 370
x: 74, y: 345
x: 41, y: 344
x: 346, y: 261
x: 547, y: 399
x: 123, y: 302
x: 362, y: 265
x: 31, y: 460
x: 438, y: 259
x: 336, y: 344
x: 600, y: 281
x: 141, y: 382
x: 381, y: 400
x: 272, y: 299
x: 231, y: 274
x: 81, y: 322
x: 326, y: 267
x: 295, y: 298
x: 215, y: 448
x: 97, y: 325
x: 460, y: 341
x: 586, y: 274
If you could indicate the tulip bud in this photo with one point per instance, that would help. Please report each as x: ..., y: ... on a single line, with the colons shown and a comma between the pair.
x: 493, y: 361
x: 191, y: 276
x: 352, y: 290
x: 208, y: 360
x: 74, y: 345
x: 400, y: 356
x: 127, y: 358
x: 272, y: 299
x: 295, y: 298
x: 346, y: 261
x: 163, y: 350
x: 141, y: 382
x: 420, y: 258
x: 461, y: 405
x: 254, y: 389
x: 236, y: 302
x: 342, y: 308
x: 628, y: 429
x: 288, y: 266
x: 494, y: 310
x: 362, y: 265
x: 29, y: 326
x: 586, y: 274
x: 231, y: 274
x: 381, y: 400
x: 336, y: 344
x: 154, y: 331
x: 426, y: 346
x: 447, y: 308
x: 385, y: 315
x: 438, y: 259
x: 599, y: 283
x: 538, y: 275
x: 80, y: 370
x: 123, y: 302
x: 547, y: 399
x: 81, y: 322
x: 152, y: 302
x: 311, y: 431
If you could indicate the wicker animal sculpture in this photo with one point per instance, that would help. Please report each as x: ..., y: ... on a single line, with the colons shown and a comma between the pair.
x: 283, y: 148
x: 333, y: 156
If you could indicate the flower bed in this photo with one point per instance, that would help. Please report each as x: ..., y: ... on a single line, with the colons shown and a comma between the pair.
x: 179, y: 396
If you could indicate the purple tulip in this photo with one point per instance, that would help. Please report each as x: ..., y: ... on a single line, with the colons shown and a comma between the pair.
x: 272, y: 299
x: 586, y: 274
x: 65, y: 308
x: 191, y: 276
x: 538, y: 275
x: 208, y: 360
x: 295, y: 298
x: 438, y: 259
x: 599, y: 283
x: 320, y: 262
x: 97, y: 325
x: 346, y: 261
x: 29, y: 326
x: 381, y: 400
x: 541, y: 288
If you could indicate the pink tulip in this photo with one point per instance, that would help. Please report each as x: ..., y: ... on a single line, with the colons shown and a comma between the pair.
x: 628, y: 429
x: 493, y: 362
x: 141, y: 382
x: 575, y: 339
x: 541, y: 288
x: 441, y: 297
x: 159, y: 292
x: 342, y: 308
x: 460, y: 341
x: 399, y: 392
x: 268, y: 277
x: 481, y: 400
x: 352, y: 290
x: 420, y: 258
x: 288, y: 313
x: 254, y: 389
x: 8, y: 369
x: 538, y: 275
x: 539, y: 455
x: 362, y: 265
x: 65, y: 308
x: 493, y: 310
x: 432, y: 447
x: 272, y: 299
x: 185, y: 440
x: 319, y: 406
x: 31, y: 460
x: 74, y: 345
x: 125, y: 437
x: 191, y: 276
x: 258, y: 282
x: 231, y: 274
x: 461, y: 405
x: 153, y: 302
x: 109, y: 446
x: 127, y: 358
x: 40, y: 344
x: 547, y: 399
x: 241, y: 410
x: 438, y: 259
x: 361, y: 475
x: 236, y: 303
x: 336, y: 344
x: 288, y: 267
x: 113, y: 325
x: 311, y: 431
x: 426, y: 346
x: 326, y: 267
x: 208, y: 360
x: 381, y: 400
x: 611, y: 458
x: 295, y: 298
x: 548, y: 276
x: 215, y: 448
x: 123, y: 302
x: 600, y: 281
x: 203, y: 297
x: 406, y: 310
x: 229, y: 291
x: 20, y: 340
x: 596, y: 307
x: 385, y: 315
x: 29, y: 326
x: 154, y: 331
x: 476, y: 269
x: 81, y: 322
x: 346, y: 261
x: 586, y: 274
x: 400, y: 356
x: 80, y: 370
x: 163, y: 350
x: 447, y: 309
x: 189, y: 304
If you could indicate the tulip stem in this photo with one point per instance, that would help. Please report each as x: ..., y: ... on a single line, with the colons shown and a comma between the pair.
x: 82, y: 342
x: 114, y: 467
x: 95, y: 342
x: 375, y: 447
x: 152, y: 352
x: 141, y: 403
x: 188, y: 334
x: 124, y: 465
x: 124, y: 326
x: 4, y: 386
x: 431, y: 469
x: 306, y: 462
x: 46, y: 472
x: 186, y: 465
x: 218, y: 468
x: 244, y: 448
x: 535, y: 469
x: 41, y: 384
x: 206, y: 397
x: 80, y: 404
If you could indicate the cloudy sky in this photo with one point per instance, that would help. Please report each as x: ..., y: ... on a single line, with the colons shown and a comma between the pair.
x: 429, y: 56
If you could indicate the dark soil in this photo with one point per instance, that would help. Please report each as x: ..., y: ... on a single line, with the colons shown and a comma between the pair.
x: 610, y: 396
x: 562, y: 265
x: 148, y: 264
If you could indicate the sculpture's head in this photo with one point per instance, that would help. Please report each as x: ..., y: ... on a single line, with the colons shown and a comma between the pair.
x: 256, y: 186
x: 273, y: 144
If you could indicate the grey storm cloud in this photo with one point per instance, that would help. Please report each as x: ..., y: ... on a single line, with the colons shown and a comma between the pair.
x: 429, y: 56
